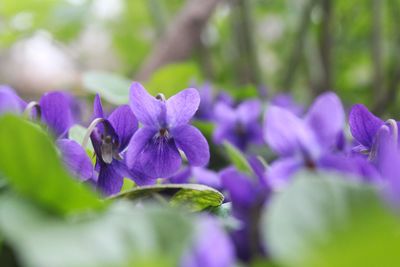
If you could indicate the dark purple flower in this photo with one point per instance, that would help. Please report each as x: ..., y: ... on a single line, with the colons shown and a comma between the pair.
x: 212, y: 246
x: 165, y: 129
x: 10, y: 101
x: 248, y: 194
x: 110, y: 139
x: 310, y: 142
x: 239, y: 126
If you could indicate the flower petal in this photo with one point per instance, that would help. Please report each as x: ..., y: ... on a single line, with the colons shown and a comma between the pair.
x: 10, y: 101
x: 76, y: 159
x: 134, y: 173
x: 326, y: 117
x: 110, y: 181
x: 240, y: 187
x: 147, y: 109
x: 281, y: 171
x: 182, y: 106
x: 193, y: 144
x: 224, y: 113
x: 124, y: 123
x: 249, y: 111
x: 56, y: 112
x: 97, y: 107
x: 206, y: 177
x: 138, y: 142
x: 157, y: 157
x: 363, y: 125
x: 286, y: 134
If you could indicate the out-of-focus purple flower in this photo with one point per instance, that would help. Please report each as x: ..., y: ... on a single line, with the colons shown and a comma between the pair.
x: 211, y: 246
x: 198, y: 175
x: 388, y: 162
x: 208, y: 100
x: 10, y: 101
x: 110, y: 139
x: 239, y: 126
x: 154, y: 147
x: 364, y: 127
x: 286, y: 101
x: 56, y: 112
x: 248, y: 194
x: 310, y: 142
x: 75, y: 159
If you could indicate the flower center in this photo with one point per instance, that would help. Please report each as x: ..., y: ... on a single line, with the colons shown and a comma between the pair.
x: 109, y: 149
x: 164, y: 132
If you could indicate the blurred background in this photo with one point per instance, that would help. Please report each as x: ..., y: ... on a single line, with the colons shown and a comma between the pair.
x: 247, y: 47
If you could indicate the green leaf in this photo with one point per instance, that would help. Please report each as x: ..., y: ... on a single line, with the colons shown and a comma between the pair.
x: 124, y: 235
x: 237, y: 158
x: 328, y: 220
x: 173, y: 78
x: 77, y: 133
x: 205, y: 127
x: 110, y: 86
x: 33, y: 168
x: 193, y: 196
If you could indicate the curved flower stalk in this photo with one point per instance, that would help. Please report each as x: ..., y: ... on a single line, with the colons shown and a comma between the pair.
x: 310, y: 142
x: 154, y: 147
x: 239, y: 126
x: 211, y: 246
x: 110, y: 138
x: 248, y: 194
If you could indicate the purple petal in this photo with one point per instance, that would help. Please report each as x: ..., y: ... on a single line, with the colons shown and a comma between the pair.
x: 147, y: 109
x: 281, y: 171
x: 225, y: 113
x: 97, y: 107
x: 249, y: 111
x: 363, y: 125
x: 135, y: 174
x: 193, y: 144
x: 138, y: 142
x: 326, y: 117
x: 206, y: 177
x: 240, y: 186
x: 286, y: 134
x: 181, y: 177
x: 10, y: 101
x: 182, y: 106
x: 156, y: 156
x: 209, y: 234
x: 76, y: 159
x: 56, y: 112
x: 124, y: 123
x: 110, y: 181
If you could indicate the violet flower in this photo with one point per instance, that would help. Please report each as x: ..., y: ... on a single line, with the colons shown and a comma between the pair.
x: 239, y: 126
x: 248, y: 194
x: 10, y: 101
x: 212, y: 246
x: 310, y: 142
x: 110, y: 140
x: 286, y: 101
x: 364, y: 126
x: 198, y: 175
x: 154, y: 147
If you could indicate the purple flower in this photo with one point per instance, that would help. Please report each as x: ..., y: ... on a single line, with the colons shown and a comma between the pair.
x: 208, y: 100
x: 212, y: 246
x: 239, y: 126
x: 10, y: 101
x: 248, y: 194
x: 286, y: 101
x: 310, y: 142
x: 364, y: 127
x: 198, y: 175
x: 165, y: 129
x: 110, y: 139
